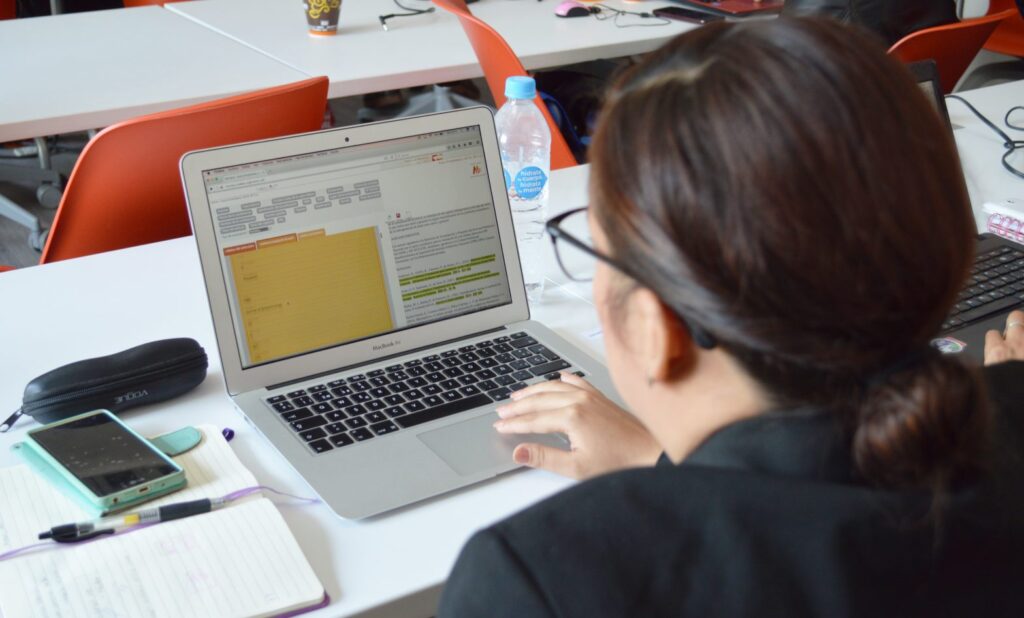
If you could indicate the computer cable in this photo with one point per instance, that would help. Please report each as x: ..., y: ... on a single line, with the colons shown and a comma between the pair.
x: 1011, y: 145
x: 612, y: 13
x: 409, y: 12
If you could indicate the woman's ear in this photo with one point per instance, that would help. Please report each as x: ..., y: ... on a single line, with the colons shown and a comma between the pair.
x: 666, y: 345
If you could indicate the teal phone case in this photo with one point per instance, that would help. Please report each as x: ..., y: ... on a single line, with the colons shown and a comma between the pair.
x: 170, y: 444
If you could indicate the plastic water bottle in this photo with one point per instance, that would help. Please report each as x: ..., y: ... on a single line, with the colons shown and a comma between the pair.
x: 525, y: 143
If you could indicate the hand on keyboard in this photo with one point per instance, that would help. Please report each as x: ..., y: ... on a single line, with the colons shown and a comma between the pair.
x: 603, y: 436
x: 1007, y: 345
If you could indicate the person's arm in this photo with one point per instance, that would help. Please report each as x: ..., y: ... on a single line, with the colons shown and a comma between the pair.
x: 489, y: 579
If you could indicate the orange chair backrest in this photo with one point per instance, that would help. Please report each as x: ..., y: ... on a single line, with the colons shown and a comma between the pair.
x: 499, y: 63
x: 952, y: 46
x: 126, y: 187
x: 1009, y: 35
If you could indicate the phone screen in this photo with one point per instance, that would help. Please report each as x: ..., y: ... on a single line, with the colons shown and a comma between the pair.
x: 102, y: 454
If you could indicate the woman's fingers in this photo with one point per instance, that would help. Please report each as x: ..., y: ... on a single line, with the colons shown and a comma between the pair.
x: 574, y: 380
x: 1014, y: 331
x: 547, y: 421
x: 546, y: 458
x: 995, y: 348
x: 548, y: 386
x: 548, y: 395
x: 1008, y: 345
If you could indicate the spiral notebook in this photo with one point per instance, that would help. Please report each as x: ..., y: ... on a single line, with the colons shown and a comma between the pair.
x: 241, y: 560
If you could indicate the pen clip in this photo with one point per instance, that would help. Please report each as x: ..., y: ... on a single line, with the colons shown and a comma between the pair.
x: 10, y: 421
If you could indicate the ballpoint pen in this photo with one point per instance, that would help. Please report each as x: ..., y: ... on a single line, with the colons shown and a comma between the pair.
x: 72, y: 533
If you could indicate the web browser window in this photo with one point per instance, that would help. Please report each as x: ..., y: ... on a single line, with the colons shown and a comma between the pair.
x: 330, y: 247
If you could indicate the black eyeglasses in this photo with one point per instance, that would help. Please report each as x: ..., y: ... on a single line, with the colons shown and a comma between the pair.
x: 578, y: 260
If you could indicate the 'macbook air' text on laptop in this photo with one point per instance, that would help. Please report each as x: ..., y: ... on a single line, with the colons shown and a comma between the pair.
x: 368, y: 303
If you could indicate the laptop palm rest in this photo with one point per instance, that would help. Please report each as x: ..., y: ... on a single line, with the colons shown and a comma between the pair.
x: 473, y: 446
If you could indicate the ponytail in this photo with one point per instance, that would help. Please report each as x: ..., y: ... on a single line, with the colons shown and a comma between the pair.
x: 925, y: 425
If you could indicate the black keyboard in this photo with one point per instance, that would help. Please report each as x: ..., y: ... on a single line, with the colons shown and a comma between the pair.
x: 996, y: 285
x: 360, y: 407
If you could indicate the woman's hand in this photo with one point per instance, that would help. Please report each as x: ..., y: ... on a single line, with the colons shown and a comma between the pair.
x: 603, y: 436
x: 1007, y: 345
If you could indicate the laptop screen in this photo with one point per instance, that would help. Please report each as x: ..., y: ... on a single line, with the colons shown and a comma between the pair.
x: 330, y: 247
x: 926, y: 74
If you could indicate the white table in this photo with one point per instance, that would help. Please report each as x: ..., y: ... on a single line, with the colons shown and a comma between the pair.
x: 981, y: 149
x: 424, y: 49
x: 396, y: 563
x: 88, y: 70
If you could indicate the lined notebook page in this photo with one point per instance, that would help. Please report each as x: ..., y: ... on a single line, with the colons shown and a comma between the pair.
x: 239, y: 561
x: 29, y: 504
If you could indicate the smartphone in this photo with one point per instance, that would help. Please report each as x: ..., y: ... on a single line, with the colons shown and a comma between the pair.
x: 109, y: 466
x: 688, y: 15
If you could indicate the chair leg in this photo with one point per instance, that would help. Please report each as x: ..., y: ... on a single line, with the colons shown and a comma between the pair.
x: 36, y: 234
x: 437, y: 99
x: 51, y: 183
x: 460, y: 101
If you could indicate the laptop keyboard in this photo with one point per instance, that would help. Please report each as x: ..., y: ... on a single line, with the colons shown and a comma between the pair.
x: 996, y: 285
x: 360, y: 407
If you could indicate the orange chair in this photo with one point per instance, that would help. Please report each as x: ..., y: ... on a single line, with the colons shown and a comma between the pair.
x: 499, y: 62
x: 1008, y: 37
x: 952, y: 46
x: 126, y: 189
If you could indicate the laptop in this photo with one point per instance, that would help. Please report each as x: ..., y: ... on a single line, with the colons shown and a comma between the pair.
x: 368, y: 303
x: 926, y: 73
x: 995, y: 286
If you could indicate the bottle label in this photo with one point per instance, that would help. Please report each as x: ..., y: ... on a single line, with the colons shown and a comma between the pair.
x: 530, y: 182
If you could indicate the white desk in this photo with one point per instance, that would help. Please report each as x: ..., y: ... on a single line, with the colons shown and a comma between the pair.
x: 89, y: 70
x: 981, y: 149
x: 97, y: 305
x: 424, y: 49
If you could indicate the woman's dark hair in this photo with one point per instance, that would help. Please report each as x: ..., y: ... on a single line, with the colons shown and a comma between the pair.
x: 786, y: 186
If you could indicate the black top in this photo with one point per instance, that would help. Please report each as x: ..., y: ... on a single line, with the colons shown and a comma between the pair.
x: 766, y: 518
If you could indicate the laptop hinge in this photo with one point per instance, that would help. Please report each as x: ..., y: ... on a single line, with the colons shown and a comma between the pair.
x: 384, y: 358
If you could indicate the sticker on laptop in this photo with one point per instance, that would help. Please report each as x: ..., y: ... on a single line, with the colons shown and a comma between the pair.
x: 949, y: 345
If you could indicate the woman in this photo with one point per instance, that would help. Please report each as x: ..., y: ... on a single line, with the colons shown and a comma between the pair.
x: 782, y: 225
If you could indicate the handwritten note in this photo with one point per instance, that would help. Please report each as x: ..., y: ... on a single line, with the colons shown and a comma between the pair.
x: 238, y: 561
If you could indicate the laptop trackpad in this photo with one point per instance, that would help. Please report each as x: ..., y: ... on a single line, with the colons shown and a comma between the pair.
x: 473, y: 446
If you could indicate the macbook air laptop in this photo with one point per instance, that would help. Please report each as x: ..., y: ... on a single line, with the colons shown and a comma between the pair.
x: 368, y: 303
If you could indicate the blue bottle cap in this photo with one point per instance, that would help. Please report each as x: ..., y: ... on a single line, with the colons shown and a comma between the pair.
x: 519, y: 87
